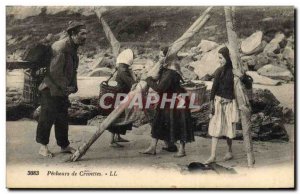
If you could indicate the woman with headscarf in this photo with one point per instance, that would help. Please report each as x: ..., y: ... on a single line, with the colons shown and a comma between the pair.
x: 223, y: 104
x: 170, y: 124
x: 125, y: 78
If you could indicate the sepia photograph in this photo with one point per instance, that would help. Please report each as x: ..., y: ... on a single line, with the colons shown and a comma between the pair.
x: 150, y: 97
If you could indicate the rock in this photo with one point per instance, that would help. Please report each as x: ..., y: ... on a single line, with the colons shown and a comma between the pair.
x: 283, y: 43
x: 288, y: 115
x: 274, y: 111
x: 275, y: 72
x: 272, y: 48
x: 273, y: 132
x: 288, y: 54
x: 290, y: 42
x: 261, y: 60
x: 14, y: 94
x: 16, y: 56
x: 268, y: 128
x: 103, y: 62
x: 252, y: 44
x: 206, y: 45
x: 275, y: 44
x: 278, y: 60
x: 188, y: 74
x: 18, y: 110
x: 289, y: 57
x: 182, y: 55
x: 262, y: 46
x: 83, y: 71
x: 208, y: 63
x: 268, y: 19
x: 246, y: 58
x: 186, y: 61
x: 279, y: 37
x: 80, y: 113
x: 195, y: 51
x: 97, y: 62
x: 262, y: 100
x: 197, y: 57
x: 250, y: 61
x: 100, y: 72
x: 263, y: 80
x: 89, y: 100
x: 202, y: 116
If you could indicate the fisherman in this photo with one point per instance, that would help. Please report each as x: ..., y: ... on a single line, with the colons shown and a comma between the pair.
x: 59, y: 82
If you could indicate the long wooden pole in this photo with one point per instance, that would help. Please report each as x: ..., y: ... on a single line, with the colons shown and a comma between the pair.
x: 239, y: 90
x: 141, y: 86
x: 104, y: 125
x: 115, y: 44
x: 195, y: 27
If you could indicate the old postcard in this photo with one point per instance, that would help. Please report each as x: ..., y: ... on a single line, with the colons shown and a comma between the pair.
x: 150, y: 97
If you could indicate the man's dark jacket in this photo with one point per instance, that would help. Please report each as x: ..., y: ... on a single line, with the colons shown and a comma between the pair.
x: 63, y: 68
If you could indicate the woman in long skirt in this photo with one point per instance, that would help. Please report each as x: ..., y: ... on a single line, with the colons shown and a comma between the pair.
x: 125, y: 79
x: 224, y: 108
x: 170, y: 124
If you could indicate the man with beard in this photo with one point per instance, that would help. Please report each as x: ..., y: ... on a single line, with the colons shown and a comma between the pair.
x: 60, y: 81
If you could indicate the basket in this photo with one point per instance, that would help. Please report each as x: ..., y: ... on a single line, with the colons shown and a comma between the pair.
x: 199, y: 90
x: 32, y: 81
x: 104, y: 89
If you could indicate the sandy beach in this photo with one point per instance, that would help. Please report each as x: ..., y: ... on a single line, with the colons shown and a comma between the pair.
x: 272, y: 158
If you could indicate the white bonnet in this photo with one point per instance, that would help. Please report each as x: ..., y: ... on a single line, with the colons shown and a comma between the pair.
x: 125, y: 57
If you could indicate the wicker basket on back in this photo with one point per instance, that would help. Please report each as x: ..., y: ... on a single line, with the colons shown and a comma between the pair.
x: 32, y: 80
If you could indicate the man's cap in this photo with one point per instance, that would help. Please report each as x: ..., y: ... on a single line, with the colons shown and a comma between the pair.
x: 74, y: 24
